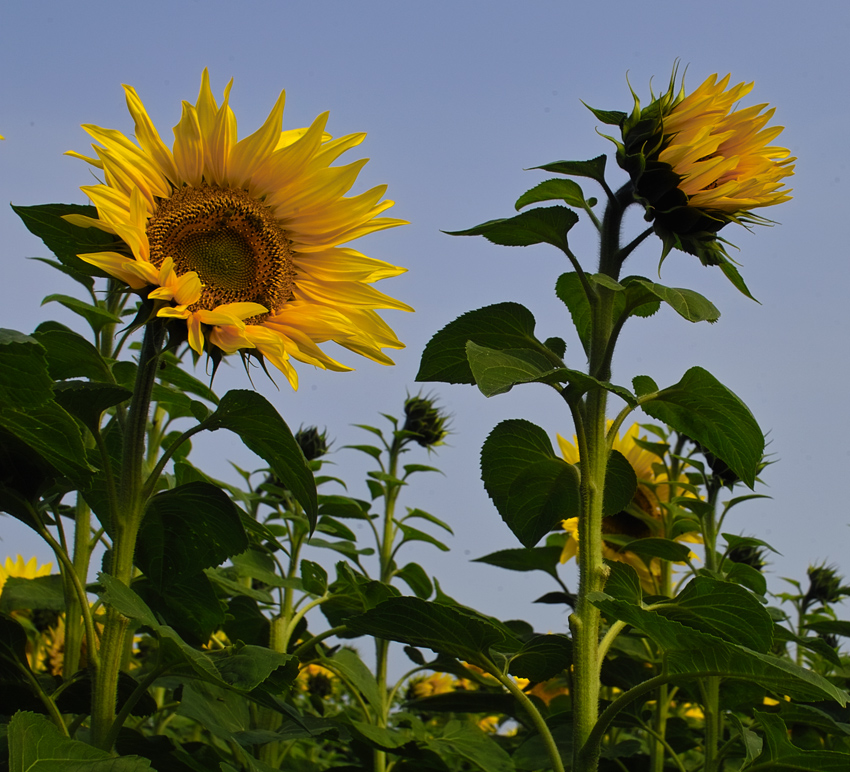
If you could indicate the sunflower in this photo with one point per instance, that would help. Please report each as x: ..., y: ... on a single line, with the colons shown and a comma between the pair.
x: 644, y: 518
x: 697, y: 163
x: 21, y: 570
x: 242, y: 240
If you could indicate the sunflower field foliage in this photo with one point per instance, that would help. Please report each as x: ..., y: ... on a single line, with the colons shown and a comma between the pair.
x: 276, y: 622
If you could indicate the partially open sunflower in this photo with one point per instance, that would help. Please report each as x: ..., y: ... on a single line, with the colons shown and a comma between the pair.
x: 243, y: 239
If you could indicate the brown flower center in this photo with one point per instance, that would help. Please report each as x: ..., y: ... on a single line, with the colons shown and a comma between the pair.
x: 232, y: 240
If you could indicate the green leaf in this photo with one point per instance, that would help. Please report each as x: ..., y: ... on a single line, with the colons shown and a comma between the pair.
x: 691, y: 652
x: 70, y: 355
x: 594, y: 168
x: 53, y: 435
x: 354, y: 670
x: 571, y: 293
x: 24, y: 380
x: 246, y: 667
x: 496, y: 372
x: 747, y: 576
x: 781, y: 755
x: 526, y: 559
x: 652, y: 547
x: 189, y: 605
x: 620, y: 484
x: 314, y: 578
x: 539, y: 497
x: 187, y: 529
x: 422, y: 515
x: 444, y: 629
x: 831, y: 627
x: 623, y: 583
x: 414, y: 534
x: 41, y: 592
x: 542, y: 658
x: 687, y: 303
x: 550, y: 190
x: 513, y: 445
x: 37, y: 745
x: 66, y: 241
x: 172, y: 373
x: 532, y: 488
x: 415, y: 577
x: 499, y: 327
x: 473, y: 746
x: 709, y: 413
x: 263, y: 431
x: 722, y: 609
x: 87, y: 401
x: 96, y: 316
x: 86, y: 281
x: 545, y: 225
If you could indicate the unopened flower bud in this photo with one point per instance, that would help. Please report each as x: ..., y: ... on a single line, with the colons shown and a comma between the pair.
x: 424, y: 421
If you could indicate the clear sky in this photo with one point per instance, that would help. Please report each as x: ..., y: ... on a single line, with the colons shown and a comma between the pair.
x: 458, y: 98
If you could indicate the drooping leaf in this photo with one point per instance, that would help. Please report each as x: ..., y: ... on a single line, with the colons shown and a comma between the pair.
x: 525, y: 559
x: 354, y: 669
x: 781, y: 755
x: 246, y: 667
x: 656, y: 547
x: 442, y: 628
x: 496, y: 372
x: 189, y: 605
x: 187, y: 529
x: 539, y: 498
x: 24, y: 379
x: 499, y: 327
x: 471, y: 745
x: 688, y: 304
x: 415, y: 577
x: 545, y: 225
x: 594, y: 168
x: 87, y: 401
x: 263, y: 431
x: 96, y: 316
x: 66, y: 241
x: 706, y: 411
x: 571, y: 293
x: 37, y: 745
x: 542, y: 658
x: 620, y: 484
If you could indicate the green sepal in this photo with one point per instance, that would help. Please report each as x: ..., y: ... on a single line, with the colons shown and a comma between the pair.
x: 609, y: 117
x: 544, y: 225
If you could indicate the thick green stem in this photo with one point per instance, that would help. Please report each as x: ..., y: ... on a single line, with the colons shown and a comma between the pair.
x: 73, y: 607
x: 125, y: 522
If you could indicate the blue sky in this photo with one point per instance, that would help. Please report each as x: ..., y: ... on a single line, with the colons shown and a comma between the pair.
x: 458, y: 98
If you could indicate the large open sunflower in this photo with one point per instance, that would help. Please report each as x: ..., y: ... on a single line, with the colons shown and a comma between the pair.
x: 645, y: 516
x: 243, y: 239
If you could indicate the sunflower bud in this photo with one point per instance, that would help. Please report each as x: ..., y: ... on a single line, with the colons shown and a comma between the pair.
x: 824, y: 586
x: 698, y: 164
x: 748, y: 555
x: 424, y: 422
x: 313, y: 443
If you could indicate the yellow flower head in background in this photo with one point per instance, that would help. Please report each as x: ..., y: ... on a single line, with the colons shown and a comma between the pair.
x: 436, y: 683
x: 21, y: 570
x: 698, y: 163
x: 645, y: 516
x: 243, y: 238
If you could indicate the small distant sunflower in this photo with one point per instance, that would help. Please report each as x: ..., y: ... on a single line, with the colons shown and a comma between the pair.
x: 243, y: 239
x: 17, y: 568
x: 645, y: 516
x: 697, y: 163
